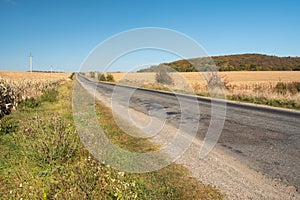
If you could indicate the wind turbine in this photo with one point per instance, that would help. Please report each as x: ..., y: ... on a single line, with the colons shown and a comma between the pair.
x: 30, y: 62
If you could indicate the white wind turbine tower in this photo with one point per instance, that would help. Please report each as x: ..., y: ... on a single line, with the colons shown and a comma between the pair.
x: 30, y: 62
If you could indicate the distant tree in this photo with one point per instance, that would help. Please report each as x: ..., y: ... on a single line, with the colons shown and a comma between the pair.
x: 240, y: 62
x: 92, y: 74
x: 110, y: 78
x: 101, y: 77
x: 163, y: 76
x: 253, y: 67
x: 297, y: 68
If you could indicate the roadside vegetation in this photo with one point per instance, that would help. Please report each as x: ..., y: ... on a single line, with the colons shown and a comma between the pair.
x: 98, y: 76
x: 42, y: 157
x: 280, y: 94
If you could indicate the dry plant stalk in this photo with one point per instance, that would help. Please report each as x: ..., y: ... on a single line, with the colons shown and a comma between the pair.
x: 18, y: 86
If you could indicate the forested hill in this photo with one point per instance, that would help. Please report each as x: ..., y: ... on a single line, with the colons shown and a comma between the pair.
x: 239, y: 62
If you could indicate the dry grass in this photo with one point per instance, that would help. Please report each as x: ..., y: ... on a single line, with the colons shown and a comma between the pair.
x: 251, y: 86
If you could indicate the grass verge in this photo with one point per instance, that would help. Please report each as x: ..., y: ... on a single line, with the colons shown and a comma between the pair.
x: 290, y: 104
x: 262, y: 100
x: 42, y: 157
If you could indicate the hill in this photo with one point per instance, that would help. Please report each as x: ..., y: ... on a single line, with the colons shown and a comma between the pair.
x: 238, y: 62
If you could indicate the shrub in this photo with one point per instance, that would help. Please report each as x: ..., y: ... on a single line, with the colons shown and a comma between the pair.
x: 72, y: 76
x: 101, y: 77
x: 110, y: 78
x: 29, y: 103
x: 214, y: 80
x: 50, y: 95
x: 283, y: 88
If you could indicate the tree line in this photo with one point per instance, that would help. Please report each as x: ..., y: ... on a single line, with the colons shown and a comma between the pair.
x: 239, y: 62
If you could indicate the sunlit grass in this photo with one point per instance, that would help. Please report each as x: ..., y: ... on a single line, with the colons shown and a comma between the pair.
x: 43, y: 158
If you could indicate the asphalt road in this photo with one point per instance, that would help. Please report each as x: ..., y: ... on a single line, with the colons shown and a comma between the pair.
x: 266, y: 139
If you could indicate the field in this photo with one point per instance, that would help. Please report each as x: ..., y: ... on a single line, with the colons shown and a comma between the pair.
x: 234, y: 78
x: 33, y: 76
x: 276, y: 88
x: 18, y: 86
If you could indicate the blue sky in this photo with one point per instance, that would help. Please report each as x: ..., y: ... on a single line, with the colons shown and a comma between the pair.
x: 62, y: 33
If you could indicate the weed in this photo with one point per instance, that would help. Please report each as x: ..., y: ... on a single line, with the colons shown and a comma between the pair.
x: 7, y: 125
x: 49, y: 95
x: 284, y: 88
x: 29, y: 103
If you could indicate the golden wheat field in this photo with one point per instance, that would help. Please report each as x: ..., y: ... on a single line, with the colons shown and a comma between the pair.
x: 32, y: 76
x: 235, y: 80
x: 252, y: 84
x: 232, y: 77
x: 31, y: 84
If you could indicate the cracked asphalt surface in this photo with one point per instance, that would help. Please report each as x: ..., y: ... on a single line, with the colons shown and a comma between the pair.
x: 266, y: 139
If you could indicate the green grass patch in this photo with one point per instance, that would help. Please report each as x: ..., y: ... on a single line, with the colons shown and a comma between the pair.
x: 291, y: 104
x: 157, y: 86
x: 42, y: 157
